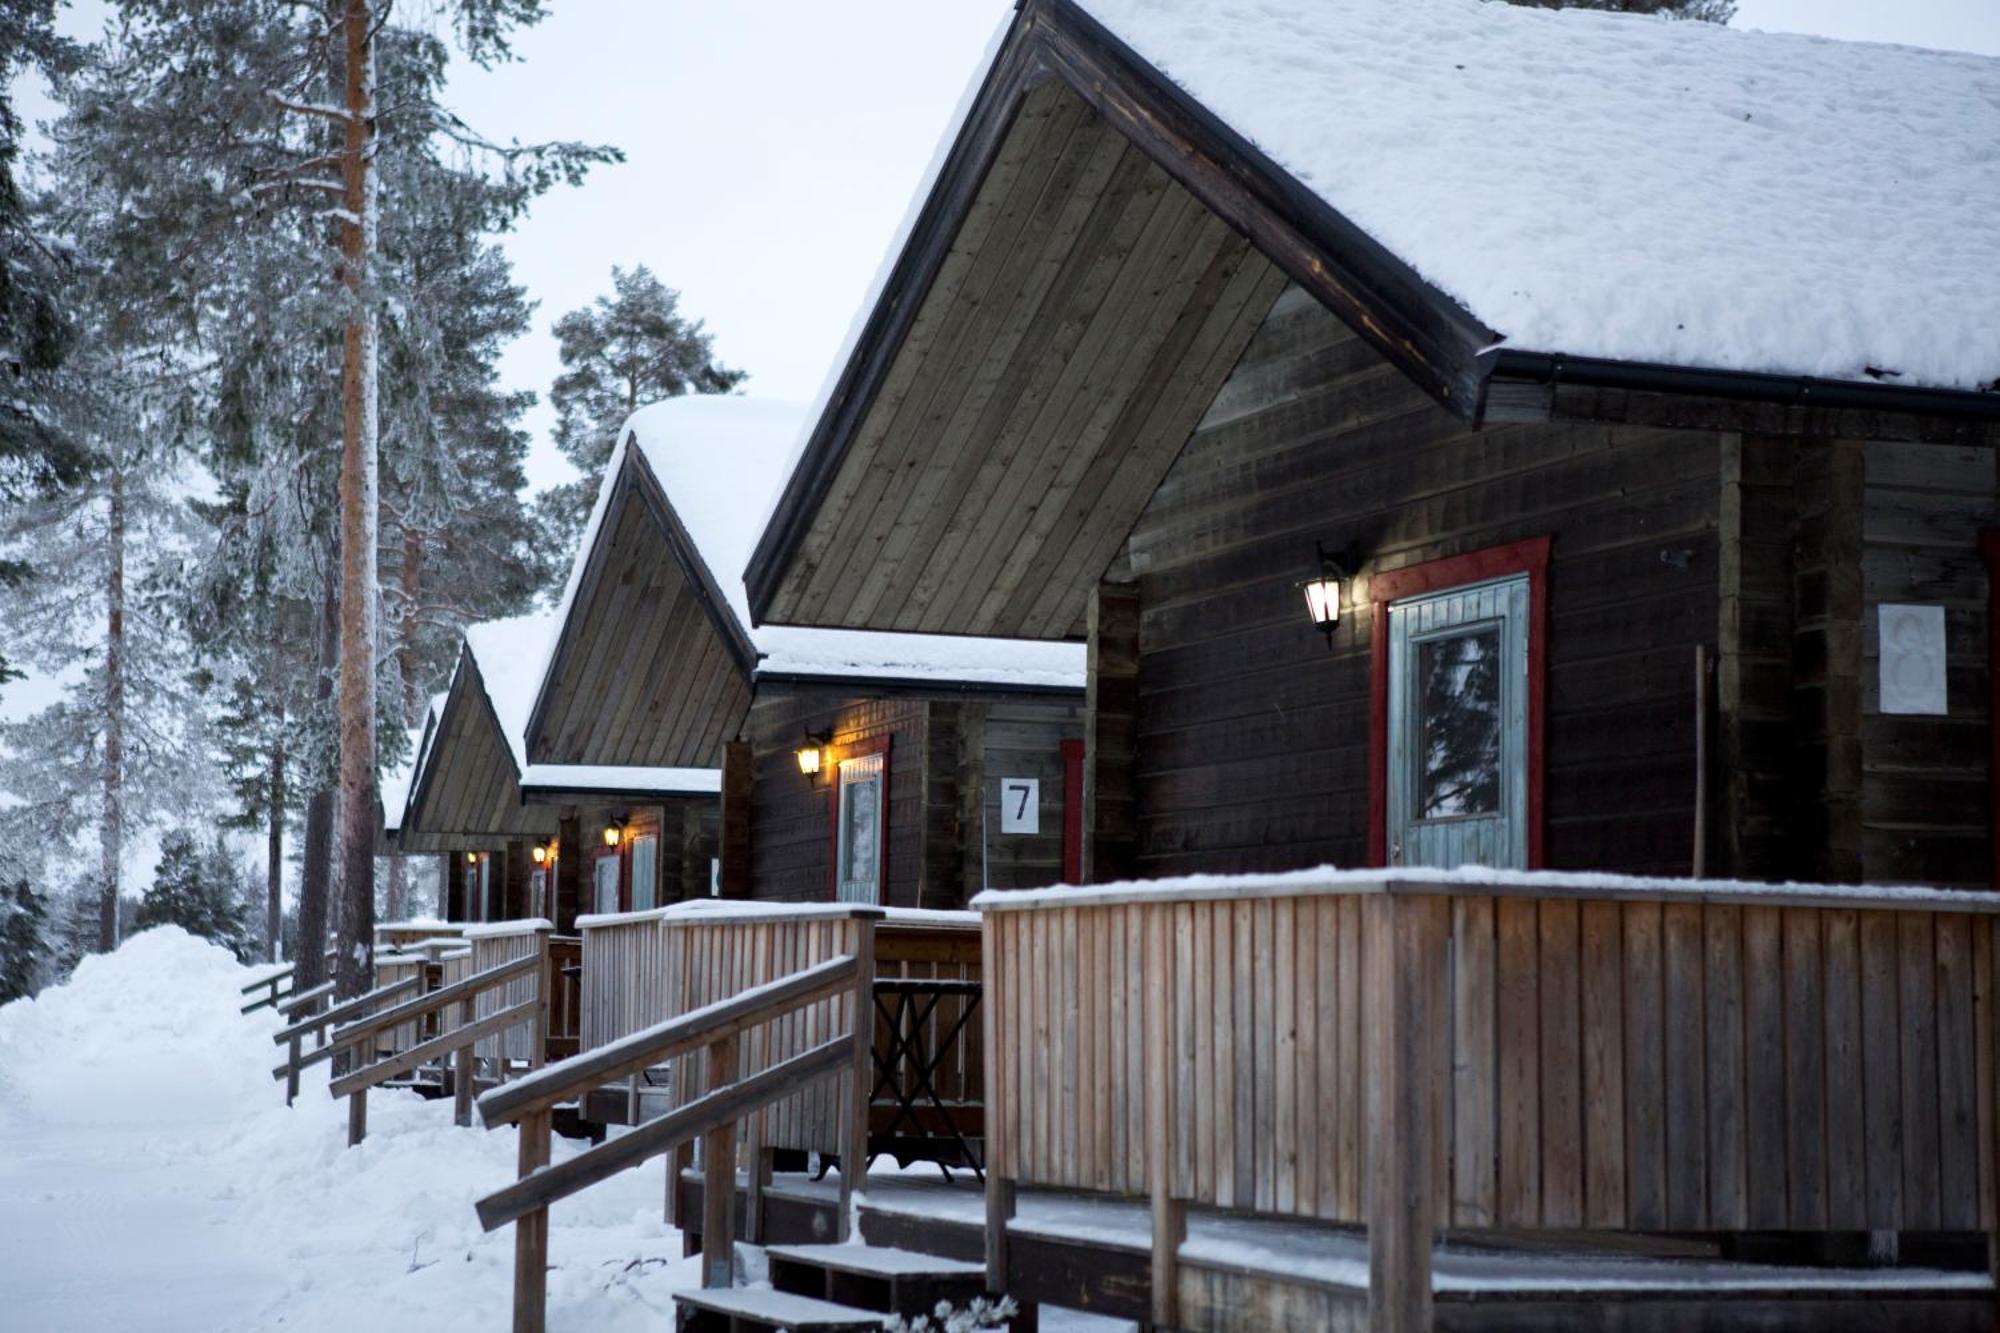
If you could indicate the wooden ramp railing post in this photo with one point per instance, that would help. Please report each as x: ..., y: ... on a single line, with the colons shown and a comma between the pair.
x: 462, y: 1064
x: 718, y: 1172
x: 1405, y: 1009
x: 861, y: 1087
x: 1169, y: 1213
x: 531, y: 1231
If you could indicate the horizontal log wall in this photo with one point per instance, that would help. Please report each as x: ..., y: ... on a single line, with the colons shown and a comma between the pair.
x: 1252, y: 748
x: 1681, y: 1064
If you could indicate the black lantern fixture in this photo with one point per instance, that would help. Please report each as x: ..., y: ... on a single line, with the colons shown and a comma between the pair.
x: 1326, y: 590
x: 811, y: 753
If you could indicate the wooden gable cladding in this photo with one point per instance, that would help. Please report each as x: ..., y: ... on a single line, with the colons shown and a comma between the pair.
x: 1086, y: 312
x: 466, y: 797
x: 644, y: 674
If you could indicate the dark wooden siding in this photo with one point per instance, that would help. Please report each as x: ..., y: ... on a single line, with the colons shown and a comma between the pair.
x: 1253, y: 750
x: 936, y: 747
x: 1925, y: 807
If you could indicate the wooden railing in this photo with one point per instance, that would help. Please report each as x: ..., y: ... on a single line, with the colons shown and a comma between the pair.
x: 745, y: 1048
x: 1543, y: 1053
x: 642, y: 968
x: 458, y: 1041
x: 275, y: 985
x: 297, y: 1059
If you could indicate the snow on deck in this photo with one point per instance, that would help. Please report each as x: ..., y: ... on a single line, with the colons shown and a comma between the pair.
x: 720, y: 460
x: 1625, y: 186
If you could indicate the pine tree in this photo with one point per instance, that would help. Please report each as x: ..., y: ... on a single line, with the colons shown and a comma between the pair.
x: 24, y: 944
x: 198, y: 891
x: 626, y: 350
x: 1707, y: 11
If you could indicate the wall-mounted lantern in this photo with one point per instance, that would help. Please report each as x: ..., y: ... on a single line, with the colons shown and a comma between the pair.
x: 811, y: 753
x: 613, y: 834
x: 539, y: 854
x: 1326, y: 589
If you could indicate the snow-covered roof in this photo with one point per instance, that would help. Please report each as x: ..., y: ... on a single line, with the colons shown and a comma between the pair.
x: 1630, y: 187
x: 720, y: 460
x: 512, y: 656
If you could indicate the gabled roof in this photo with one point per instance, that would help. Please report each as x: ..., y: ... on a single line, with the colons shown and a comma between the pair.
x: 1628, y: 186
x: 699, y: 472
x: 1484, y: 193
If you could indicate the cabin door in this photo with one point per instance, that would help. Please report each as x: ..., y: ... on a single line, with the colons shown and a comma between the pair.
x: 1458, y: 710
x: 604, y: 880
x: 858, y: 830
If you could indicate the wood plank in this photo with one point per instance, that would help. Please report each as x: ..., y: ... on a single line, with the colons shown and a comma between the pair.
x: 1561, y: 1066
x: 1328, y: 1088
x: 1765, y: 1110
x: 1917, y: 976
x: 1805, y: 1025
x: 1723, y: 1059
x: 1684, y: 1045
x: 1983, y: 1066
x: 1349, y: 1151
x: 1180, y: 1123
x: 1475, y: 1057
x: 1202, y: 1015
x: 1518, y: 943
x: 1958, y: 1116
x: 1264, y: 1040
x: 1645, y: 1071
x: 1245, y: 1050
x: 1603, y: 1036
x: 1284, y: 1056
x: 1881, y: 1071
x: 1305, y: 1017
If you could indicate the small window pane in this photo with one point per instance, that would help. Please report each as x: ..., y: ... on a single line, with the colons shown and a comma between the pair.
x: 605, y: 871
x: 1458, y: 685
x: 645, y: 871
x: 861, y: 814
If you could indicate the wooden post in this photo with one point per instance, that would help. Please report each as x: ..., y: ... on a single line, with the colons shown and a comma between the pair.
x: 1111, y: 730
x: 462, y: 1065
x: 1169, y: 1213
x: 679, y: 1162
x: 357, y: 1117
x: 758, y: 1158
x: 292, y: 1068
x: 861, y: 1077
x: 739, y: 780
x: 998, y: 1147
x: 569, y: 870
x: 718, y: 1172
x: 1703, y: 709
x: 531, y: 1233
x: 1403, y: 972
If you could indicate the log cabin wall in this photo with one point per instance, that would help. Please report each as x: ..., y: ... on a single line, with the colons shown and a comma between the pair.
x: 1253, y: 738
x: 939, y: 808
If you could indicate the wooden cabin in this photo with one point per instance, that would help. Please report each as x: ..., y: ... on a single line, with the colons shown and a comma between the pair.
x: 939, y: 765
x: 1658, y: 579
x: 528, y: 841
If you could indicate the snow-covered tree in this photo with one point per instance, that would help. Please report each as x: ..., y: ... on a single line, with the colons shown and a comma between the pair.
x: 623, y: 351
x: 198, y: 891
x: 1708, y: 11
x: 26, y: 955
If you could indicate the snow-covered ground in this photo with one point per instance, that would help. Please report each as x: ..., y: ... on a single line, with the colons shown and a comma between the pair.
x: 152, y: 1178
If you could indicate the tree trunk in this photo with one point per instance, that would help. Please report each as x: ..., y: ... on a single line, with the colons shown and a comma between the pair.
x: 359, y: 483
x: 406, y: 670
x: 111, y: 830
x: 274, y: 850
x: 317, y: 851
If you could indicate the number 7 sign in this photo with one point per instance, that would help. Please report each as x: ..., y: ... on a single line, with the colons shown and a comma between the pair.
x: 1020, y: 805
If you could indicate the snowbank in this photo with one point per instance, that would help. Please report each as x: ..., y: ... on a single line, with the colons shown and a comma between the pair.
x: 152, y: 1177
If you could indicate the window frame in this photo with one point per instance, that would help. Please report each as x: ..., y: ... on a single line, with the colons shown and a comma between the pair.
x: 860, y: 749
x: 1529, y: 557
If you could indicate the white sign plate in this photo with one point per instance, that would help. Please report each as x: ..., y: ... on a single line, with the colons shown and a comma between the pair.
x: 1912, y: 659
x: 1020, y: 805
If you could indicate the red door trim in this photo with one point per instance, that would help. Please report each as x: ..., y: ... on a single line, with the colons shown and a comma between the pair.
x: 856, y: 750
x: 1530, y: 557
x: 1989, y: 547
x: 1072, y: 799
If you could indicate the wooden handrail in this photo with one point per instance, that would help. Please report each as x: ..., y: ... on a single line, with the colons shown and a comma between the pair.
x: 361, y: 1004
x: 381, y: 1071
x: 711, y: 1111
x: 437, y: 999
x: 298, y: 999
x: 543, y: 1089
x: 271, y: 978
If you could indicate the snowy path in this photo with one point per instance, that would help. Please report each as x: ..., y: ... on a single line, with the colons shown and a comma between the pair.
x: 152, y: 1178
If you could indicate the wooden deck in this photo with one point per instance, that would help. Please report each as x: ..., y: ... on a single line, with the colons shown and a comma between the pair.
x: 1093, y: 1252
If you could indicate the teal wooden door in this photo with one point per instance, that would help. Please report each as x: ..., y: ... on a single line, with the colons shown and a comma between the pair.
x: 1458, y: 735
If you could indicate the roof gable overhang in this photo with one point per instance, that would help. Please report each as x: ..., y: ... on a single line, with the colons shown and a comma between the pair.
x: 651, y: 669
x: 466, y: 792
x: 1426, y: 335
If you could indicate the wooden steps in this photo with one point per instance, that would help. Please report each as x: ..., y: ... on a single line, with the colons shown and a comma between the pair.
x: 764, y: 1310
x: 834, y: 1287
x: 874, y: 1278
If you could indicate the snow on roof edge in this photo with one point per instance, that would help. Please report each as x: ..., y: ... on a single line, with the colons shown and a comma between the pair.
x: 612, y: 777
